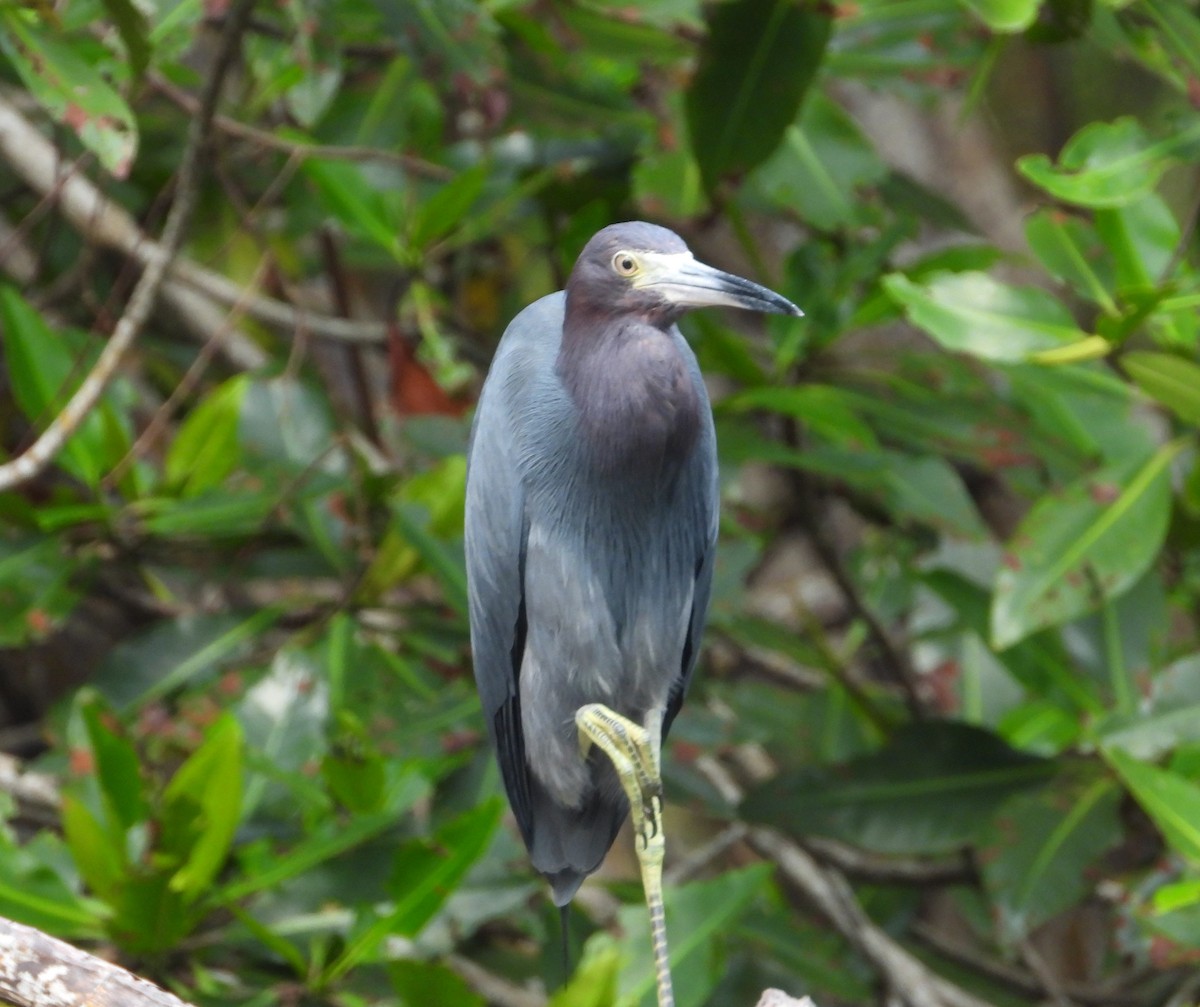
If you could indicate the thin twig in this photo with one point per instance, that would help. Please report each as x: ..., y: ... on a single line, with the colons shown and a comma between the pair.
x: 39, y: 454
x: 36, y: 794
x: 1017, y: 979
x: 908, y: 977
x: 896, y: 659
x: 492, y: 987
x: 890, y: 870
x: 264, y: 138
x: 186, y: 385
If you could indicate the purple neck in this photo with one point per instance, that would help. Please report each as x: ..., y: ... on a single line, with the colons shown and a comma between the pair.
x: 639, y: 410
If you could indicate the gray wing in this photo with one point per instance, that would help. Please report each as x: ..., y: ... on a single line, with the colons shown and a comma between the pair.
x: 496, y: 533
x: 699, y: 485
x: 495, y: 537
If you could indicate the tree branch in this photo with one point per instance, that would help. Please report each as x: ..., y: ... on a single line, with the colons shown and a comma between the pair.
x: 830, y: 892
x: 39, y: 455
x: 37, y: 970
x: 191, y: 287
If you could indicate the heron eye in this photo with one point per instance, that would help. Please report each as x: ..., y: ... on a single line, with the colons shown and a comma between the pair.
x: 625, y: 264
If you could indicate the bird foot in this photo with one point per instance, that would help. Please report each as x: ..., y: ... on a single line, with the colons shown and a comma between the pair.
x: 634, y: 755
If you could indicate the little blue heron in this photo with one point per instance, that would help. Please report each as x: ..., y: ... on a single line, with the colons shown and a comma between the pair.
x: 590, y: 527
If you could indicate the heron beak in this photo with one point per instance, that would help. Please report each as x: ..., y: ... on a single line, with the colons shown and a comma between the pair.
x: 680, y: 279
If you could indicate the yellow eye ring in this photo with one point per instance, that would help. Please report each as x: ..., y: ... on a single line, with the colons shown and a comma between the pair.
x: 625, y: 263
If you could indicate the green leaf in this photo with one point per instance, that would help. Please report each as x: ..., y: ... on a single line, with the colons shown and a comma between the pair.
x: 44, y: 368
x: 1071, y: 251
x: 1171, y: 801
x: 1038, y: 849
x: 175, y: 652
x: 697, y: 915
x: 413, y: 523
x: 287, y: 421
x: 594, y: 981
x: 929, y: 491
x: 439, y: 492
x: 358, y: 206
x: 70, y: 88
x: 205, y: 450
x: 1004, y: 15
x: 825, y: 410
x: 1091, y: 541
x: 419, y: 982
x: 757, y: 62
x: 36, y: 590
x: 1139, y: 240
x: 331, y: 840
x: 201, y: 809
x: 1167, y: 718
x: 1169, y: 379
x: 820, y: 166
x: 117, y: 768
x: 99, y: 855
x: 667, y: 183
x: 34, y: 893
x: 1177, y: 895
x: 930, y: 789
x: 1110, y: 164
x: 425, y: 874
x: 973, y: 313
x: 445, y: 209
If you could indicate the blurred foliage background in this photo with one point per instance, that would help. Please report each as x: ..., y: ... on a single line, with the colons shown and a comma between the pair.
x: 953, y: 668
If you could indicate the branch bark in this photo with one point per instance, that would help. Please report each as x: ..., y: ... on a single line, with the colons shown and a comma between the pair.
x: 37, y: 970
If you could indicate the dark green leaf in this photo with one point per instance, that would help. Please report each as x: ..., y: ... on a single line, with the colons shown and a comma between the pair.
x: 1038, y: 850
x: 116, y: 765
x: 357, y: 205
x: 131, y: 24
x: 418, y: 982
x: 929, y: 790
x: 176, y: 652
x: 331, y: 840
x: 756, y: 65
x: 425, y: 874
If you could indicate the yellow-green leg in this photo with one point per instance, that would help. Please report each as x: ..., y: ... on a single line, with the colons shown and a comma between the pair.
x: 634, y: 753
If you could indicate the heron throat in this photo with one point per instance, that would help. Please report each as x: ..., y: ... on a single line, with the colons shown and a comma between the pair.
x: 636, y: 396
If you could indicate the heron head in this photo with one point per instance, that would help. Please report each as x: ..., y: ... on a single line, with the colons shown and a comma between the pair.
x: 645, y: 270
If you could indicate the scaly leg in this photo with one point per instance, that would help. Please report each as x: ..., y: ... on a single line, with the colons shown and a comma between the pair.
x: 635, y: 754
